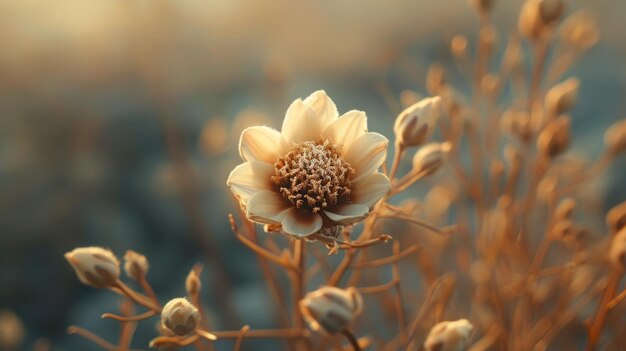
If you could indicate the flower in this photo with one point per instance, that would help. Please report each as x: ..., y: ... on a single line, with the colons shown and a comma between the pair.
x: 318, y: 172
x: 449, y: 336
x: 331, y: 309
x: 94, y: 266
x: 180, y: 316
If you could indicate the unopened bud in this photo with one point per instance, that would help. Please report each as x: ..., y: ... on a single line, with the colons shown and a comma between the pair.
x: 430, y: 157
x: 449, y: 336
x: 193, y: 283
x: 331, y: 309
x: 482, y: 6
x: 416, y: 123
x: 458, y: 45
x: 615, y: 137
x: 580, y: 30
x: 135, y: 265
x: 562, y: 97
x: 565, y: 208
x: 617, y: 254
x: 11, y: 331
x: 180, y: 316
x: 555, y: 137
x: 530, y: 23
x: 551, y: 10
x: 94, y: 266
x: 616, y: 218
x: 435, y: 78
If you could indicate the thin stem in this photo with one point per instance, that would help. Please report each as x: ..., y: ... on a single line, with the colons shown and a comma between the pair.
x: 240, y: 337
x: 352, y: 339
x: 91, y: 336
x: 397, y: 155
x: 595, y: 331
x: 399, y: 301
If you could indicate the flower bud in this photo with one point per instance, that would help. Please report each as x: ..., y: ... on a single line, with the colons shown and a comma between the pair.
x: 435, y: 78
x: 11, y: 331
x: 555, y: 137
x: 331, y: 309
x: 580, y: 30
x: 551, y: 10
x: 530, y: 23
x: 430, y: 157
x: 565, y: 208
x: 482, y: 6
x: 616, y: 218
x: 180, y: 316
x: 193, y: 283
x: 617, y: 254
x: 94, y: 266
x: 416, y: 123
x: 562, y: 97
x: 449, y: 336
x: 615, y: 137
x: 458, y: 45
x: 135, y: 265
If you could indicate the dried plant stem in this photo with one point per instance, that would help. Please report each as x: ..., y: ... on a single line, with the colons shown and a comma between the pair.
x: 242, y: 334
x: 595, y: 330
x: 352, y: 339
x: 399, y: 300
x: 378, y: 288
x: 136, y: 318
x: 91, y: 336
x: 397, y: 156
x: 291, y: 333
x: 386, y: 260
x: 416, y: 221
x: 137, y: 297
x: 149, y: 291
x: 540, y: 52
x: 299, y: 286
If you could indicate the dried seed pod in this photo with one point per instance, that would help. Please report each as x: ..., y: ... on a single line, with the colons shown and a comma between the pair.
x: 555, y: 137
x: 615, y: 137
x: 193, y: 283
x: 616, y: 218
x: 94, y: 266
x: 180, y: 316
x: 430, y: 157
x: 435, y: 78
x: 416, y: 123
x: 562, y: 97
x: 449, y: 336
x: 331, y: 309
x: 580, y: 30
x: 617, y: 254
x: 458, y: 45
x: 135, y: 265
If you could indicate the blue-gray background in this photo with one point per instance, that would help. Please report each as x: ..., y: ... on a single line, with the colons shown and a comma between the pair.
x: 92, y: 93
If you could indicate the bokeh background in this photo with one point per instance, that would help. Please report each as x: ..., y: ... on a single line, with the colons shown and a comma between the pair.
x: 119, y: 123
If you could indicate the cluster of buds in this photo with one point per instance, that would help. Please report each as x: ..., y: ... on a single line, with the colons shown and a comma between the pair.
x: 449, y: 336
x: 331, y: 309
x: 416, y: 123
x: 95, y: 266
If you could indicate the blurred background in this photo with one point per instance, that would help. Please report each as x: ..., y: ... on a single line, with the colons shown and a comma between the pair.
x: 119, y: 123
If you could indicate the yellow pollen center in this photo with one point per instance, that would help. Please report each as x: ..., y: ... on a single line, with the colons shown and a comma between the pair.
x: 313, y: 176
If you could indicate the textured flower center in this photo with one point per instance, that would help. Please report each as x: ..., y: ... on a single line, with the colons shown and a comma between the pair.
x: 313, y: 176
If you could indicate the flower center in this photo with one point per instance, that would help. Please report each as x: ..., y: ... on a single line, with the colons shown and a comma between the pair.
x: 313, y: 175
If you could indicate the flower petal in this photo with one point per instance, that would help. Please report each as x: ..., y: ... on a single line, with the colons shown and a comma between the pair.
x: 348, y: 214
x: 366, y: 154
x: 322, y: 106
x: 250, y: 177
x: 346, y: 129
x: 261, y: 144
x: 301, y: 123
x: 300, y: 223
x: 265, y: 207
x: 370, y: 189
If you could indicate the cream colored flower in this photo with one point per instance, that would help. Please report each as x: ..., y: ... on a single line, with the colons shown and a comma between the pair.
x: 318, y: 172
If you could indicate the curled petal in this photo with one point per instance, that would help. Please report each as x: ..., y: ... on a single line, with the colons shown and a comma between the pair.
x: 301, y: 124
x: 266, y: 207
x: 348, y: 214
x: 261, y: 144
x: 370, y: 189
x: 248, y: 178
x: 366, y: 154
x: 300, y: 223
x: 322, y: 106
x: 346, y: 129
